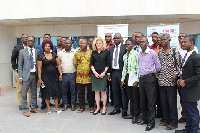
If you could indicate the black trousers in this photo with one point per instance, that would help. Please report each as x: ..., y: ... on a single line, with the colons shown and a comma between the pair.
x: 119, y: 95
x: 168, y: 96
x: 133, y: 96
x: 81, y: 95
x: 158, y: 101
x: 147, y: 99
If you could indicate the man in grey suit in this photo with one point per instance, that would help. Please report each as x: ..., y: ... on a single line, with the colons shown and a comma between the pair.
x: 27, y: 69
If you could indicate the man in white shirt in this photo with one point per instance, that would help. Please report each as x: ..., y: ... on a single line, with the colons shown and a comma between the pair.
x: 66, y: 57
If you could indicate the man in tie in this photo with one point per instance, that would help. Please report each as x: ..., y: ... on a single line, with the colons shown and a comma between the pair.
x: 190, y: 85
x: 28, y: 75
x: 14, y: 61
x: 138, y: 36
x: 115, y: 73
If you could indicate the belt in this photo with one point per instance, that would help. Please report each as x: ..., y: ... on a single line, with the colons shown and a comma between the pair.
x: 148, y: 75
x: 117, y: 70
x: 67, y: 73
x: 32, y: 72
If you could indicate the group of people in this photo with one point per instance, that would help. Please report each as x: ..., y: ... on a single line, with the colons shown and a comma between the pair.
x: 148, y: 76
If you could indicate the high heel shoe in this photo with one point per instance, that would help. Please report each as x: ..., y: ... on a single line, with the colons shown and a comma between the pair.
x: 96, y: 112
x: 57, y: 111
x: 103, y: 113
x: 48, y: 113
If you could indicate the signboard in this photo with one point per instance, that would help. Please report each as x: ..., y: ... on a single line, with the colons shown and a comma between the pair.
x: 172, y: 30
x: 117, y: 28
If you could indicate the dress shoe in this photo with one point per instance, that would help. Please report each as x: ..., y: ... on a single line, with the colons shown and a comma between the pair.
x: 170, y: 127
x: 149, y: 127
x: 134, y: 120
x: 182, y: 120
x: 124, y: 114
x: 91, y: 110
x: 20, y: 107
x: 35, y: 111
x: 181, y: 131
x: 64, y: 108
x: 73, y: 108
x: 141, y: 122
x: 128, y: 117
x: 95, y: 113
x: 42, y: 107
x: 80, y: 110
x: 114, y: 112
x: 26, y: 114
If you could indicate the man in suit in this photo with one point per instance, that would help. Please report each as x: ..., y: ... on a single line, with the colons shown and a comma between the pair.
x: 115, y: 73
x: 189, y: 82
x: 14, y: 62
x: 27, y: 68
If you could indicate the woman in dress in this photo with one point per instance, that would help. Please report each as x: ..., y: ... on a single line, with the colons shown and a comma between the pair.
x: 99, y: 63
x: 49, y: 74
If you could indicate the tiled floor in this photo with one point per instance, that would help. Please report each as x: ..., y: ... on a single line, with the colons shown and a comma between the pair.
x: 12, y: 120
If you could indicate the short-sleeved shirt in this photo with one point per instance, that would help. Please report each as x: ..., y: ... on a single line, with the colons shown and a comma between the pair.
x: 100, y: 60
x: 82, y: 61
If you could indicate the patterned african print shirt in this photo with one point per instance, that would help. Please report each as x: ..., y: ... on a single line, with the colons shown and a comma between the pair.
x: 82, y: 62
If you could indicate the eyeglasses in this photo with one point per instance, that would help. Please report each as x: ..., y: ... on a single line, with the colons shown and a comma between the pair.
x: 116, y: 38
x: 107, y: 36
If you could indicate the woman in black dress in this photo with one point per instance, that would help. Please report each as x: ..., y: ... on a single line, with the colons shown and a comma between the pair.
x: 49, y: 74
x: 99, y: 63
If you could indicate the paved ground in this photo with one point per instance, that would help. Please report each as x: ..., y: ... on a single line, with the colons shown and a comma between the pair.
x: 12, y: 120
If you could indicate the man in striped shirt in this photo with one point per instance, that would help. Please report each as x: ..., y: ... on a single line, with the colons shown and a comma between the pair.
x: 130, y: 79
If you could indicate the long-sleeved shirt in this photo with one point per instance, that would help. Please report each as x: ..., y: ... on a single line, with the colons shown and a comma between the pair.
x: 148, y: 62
x: 169, y: 68
x: 132, y: 64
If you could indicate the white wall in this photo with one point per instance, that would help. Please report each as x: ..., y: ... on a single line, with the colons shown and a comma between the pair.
x: 7, y: 41
x: 91, y: 29
x: 14, y: 9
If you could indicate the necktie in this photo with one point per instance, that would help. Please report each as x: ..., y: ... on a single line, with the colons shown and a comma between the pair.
x: 183, y: 61
x: 31, y: 58
x: 116, y: 55
x: 127, y: 62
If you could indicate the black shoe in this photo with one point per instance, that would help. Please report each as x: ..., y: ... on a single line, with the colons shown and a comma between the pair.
x: 149, y: 127
x: 124, y: 114
x: 51, y: 104
x: 42, y: 107
x: 128, y: 117
x: 114, y: 112
x: 96, y: 112
x: 141, y: 122
x: 20, y: 107
x: 134, y: 120
x: 181, y: 131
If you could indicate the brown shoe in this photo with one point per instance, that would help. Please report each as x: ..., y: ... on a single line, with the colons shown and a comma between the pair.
x: 64, y: 107
x: 35, y: 111
x: 182, y: 120
x: 80, y: 110
x: 91, y: 110
x: 73, y: 108
x: 26, y: 114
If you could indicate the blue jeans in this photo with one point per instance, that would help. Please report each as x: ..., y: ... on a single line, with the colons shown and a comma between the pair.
x: 69, y: 83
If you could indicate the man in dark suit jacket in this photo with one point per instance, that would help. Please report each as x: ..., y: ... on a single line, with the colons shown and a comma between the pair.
x: 116, y: 57
x: 190, y: 85
x: 14, y: 62
x: 27, y: 67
